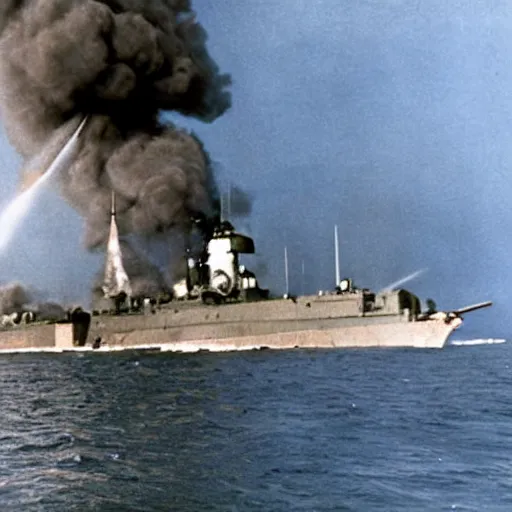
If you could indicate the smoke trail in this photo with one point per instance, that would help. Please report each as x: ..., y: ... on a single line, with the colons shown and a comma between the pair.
x: 18, y: 208
x: 403, y: 280
x: 120, y: 62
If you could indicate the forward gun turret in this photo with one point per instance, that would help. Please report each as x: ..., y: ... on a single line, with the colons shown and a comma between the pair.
x: 473, y: 307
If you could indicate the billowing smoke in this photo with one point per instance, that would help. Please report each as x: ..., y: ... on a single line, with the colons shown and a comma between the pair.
x: 15, y: 300
x: 12, y: 298
x: 121, y: 62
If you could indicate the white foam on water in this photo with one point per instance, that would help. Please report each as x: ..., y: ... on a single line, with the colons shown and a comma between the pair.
x: 479, y: 341
x: 17, y: 210
x: 190, y: 347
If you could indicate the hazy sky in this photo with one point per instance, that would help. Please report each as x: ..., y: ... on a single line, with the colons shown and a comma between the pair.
x: 390, y: 118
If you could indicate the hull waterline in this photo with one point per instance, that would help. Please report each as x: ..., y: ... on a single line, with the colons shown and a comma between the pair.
x: 56, y: 338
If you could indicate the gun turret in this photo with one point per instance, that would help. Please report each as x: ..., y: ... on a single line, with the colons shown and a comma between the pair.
x: 452, y: 315
x: 473, y: 307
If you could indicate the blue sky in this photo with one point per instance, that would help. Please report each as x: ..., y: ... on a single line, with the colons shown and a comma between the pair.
x: 390, y: 118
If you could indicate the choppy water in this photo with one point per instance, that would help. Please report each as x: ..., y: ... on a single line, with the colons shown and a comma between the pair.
x: 396, y: 430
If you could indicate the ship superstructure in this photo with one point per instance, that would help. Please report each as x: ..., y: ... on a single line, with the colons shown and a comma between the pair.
x: 219, y: 306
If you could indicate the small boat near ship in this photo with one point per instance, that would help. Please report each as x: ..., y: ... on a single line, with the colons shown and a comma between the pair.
x: 219, y: 306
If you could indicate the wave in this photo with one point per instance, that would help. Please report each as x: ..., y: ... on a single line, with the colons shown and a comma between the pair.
x: 479, y: 341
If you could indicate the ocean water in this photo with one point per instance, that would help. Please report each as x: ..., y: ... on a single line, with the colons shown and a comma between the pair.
x: 303, y: 430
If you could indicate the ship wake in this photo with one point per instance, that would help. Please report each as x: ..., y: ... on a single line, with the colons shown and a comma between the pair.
x: 478, y: 341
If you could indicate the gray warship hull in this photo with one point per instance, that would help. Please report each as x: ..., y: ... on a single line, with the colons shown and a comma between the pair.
x: 333, y: 321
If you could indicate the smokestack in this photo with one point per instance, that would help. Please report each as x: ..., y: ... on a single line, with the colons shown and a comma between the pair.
x: 121, y: 63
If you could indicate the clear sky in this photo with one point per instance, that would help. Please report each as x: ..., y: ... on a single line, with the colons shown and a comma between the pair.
x: 389, y: 118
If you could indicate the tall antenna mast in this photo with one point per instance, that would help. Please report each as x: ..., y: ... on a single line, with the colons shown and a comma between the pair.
x: 303, y: 278
x: 286, y: 270
x: 229, y: 202
x: 336, y: 255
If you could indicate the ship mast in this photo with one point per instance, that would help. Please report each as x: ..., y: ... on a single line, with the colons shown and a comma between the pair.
x: 286, y: 270
x: 336, y: 255
x: 229, y: 202
x: 303, y: 281
x: 225, y: 204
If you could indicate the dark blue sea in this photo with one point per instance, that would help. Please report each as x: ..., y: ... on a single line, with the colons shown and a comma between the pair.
x: 346, y: 430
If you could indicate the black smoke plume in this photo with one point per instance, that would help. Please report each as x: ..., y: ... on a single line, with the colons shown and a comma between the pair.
x: 120, y: 62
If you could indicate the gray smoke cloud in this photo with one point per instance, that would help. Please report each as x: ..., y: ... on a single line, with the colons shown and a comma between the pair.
x: 15, y: 299
x: 120, y: 62
x: 12, y: 298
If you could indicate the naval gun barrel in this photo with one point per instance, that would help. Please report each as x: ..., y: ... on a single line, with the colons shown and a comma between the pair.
x: 473, y: 307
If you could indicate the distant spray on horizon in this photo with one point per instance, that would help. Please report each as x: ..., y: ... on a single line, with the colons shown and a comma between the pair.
x: 121, y: 63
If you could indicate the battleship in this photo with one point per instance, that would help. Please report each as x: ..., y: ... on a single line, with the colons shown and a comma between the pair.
x: 90, y: 66
x: 219, y: 306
